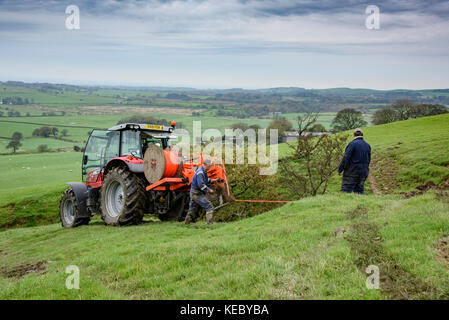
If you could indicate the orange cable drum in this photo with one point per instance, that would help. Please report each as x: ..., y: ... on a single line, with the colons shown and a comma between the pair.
x: 171, y: 164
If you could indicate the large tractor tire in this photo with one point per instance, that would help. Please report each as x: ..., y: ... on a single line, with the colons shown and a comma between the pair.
x: 123, y: 198
x: 68, y: 211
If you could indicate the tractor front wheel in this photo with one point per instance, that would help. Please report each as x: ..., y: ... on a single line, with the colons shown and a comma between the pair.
x: 122, y: 198
x: 68, y: 211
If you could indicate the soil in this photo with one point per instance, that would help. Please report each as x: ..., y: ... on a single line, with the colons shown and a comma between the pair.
x: 423, y: 188
x: 443, y: 249
x: 382, y: 177
x: 357, y: 212
x: 21, y: 270
x: 373, y: 184
x: 396, y: 282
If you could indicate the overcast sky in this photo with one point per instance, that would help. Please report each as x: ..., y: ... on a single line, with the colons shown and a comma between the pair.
x: 227, y: 43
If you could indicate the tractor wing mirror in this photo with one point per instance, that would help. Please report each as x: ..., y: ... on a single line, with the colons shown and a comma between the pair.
x: 85, y: 159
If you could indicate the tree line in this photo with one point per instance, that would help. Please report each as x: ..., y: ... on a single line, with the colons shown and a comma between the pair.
x: 16, y: 100
x: 404, y: 109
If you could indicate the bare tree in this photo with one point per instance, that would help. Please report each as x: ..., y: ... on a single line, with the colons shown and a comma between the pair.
x: 308, y: 169
x: 402, y: 108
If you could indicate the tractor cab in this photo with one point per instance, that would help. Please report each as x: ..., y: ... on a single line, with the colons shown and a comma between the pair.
x: 122, y: 140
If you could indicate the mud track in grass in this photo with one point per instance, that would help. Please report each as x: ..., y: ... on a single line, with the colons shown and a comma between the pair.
x: 396, y: 282
x: 21, y: 270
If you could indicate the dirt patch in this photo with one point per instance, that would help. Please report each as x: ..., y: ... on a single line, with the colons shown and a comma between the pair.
x: 395, y: 282
x: 28, y: 221
x: 357, y: 212
x: 428, y: 185
x: 24, y: 269
x: 443, y: 249
x: 11, y: 208
x: 383, y: 172
x: 373, y: 184
x: 423, y: 188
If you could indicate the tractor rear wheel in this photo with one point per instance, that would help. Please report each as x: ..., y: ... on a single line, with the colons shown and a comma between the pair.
x: 122, y: 198
x: 68, y: 211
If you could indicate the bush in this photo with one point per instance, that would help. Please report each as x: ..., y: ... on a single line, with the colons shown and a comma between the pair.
x: 245, y: 182
x: 44, y: 131
x: 43, y: 148
x: 317, y: 128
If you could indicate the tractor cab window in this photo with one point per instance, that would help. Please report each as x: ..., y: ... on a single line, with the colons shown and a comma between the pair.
x: 131, y: 143
x: 113, y: 146
x: 99, y: 149
x: 148, y: 140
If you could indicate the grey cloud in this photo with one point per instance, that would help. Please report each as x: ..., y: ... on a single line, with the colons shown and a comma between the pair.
x: 238, y: 26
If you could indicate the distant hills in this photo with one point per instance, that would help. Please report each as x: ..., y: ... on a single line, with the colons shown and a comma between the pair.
x: 281, y: 99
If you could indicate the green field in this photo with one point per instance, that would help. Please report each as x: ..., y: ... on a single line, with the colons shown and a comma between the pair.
x: 80, y: 135
x: 287, y: 253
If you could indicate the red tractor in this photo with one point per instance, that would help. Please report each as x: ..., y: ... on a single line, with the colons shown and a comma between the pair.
x: 129, y: 170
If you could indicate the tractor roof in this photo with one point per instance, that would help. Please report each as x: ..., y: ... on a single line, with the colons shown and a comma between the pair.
x: 142, y: 127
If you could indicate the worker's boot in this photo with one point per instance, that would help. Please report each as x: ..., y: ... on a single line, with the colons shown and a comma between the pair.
x: 188, y: 218
x: 210, y: 217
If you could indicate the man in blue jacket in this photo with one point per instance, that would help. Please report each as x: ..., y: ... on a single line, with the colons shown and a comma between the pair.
x: 198, y: 193
x: 355, y: 164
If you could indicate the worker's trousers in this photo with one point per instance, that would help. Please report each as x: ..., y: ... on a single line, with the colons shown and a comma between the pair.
x: 353, y: 183
x: 200, y: 200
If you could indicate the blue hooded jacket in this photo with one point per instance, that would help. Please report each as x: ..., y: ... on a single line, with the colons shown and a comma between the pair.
x: 200, y: 181
x: 357, y: 158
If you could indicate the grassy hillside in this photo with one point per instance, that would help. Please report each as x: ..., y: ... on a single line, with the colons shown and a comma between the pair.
x: 32, y: 185
x: 406, y: 154
x: 288, y: 253
x: 410, y: 153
